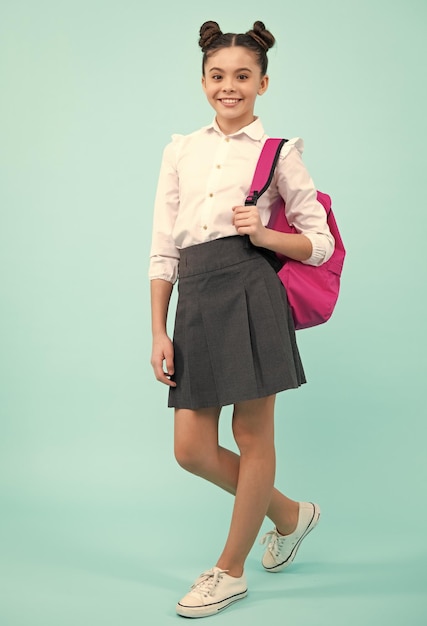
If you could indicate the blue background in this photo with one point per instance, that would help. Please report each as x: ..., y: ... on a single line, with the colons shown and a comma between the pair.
x: 98, y: 524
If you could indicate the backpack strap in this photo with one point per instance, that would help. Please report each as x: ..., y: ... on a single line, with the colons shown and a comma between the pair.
x: 264, y: 169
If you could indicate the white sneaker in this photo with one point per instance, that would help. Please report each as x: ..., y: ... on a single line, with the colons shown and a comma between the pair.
x: 281, y: 549
x: 213, y: 591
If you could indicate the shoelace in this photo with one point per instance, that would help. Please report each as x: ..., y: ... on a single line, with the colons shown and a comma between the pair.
x: 275, y: 541
x: 207, y: 581
x: 273, y: 538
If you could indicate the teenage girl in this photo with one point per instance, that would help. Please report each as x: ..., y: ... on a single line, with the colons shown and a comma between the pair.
x: 234, y: 338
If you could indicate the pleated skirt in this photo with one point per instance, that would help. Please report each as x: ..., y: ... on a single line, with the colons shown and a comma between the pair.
x: 234, y: 336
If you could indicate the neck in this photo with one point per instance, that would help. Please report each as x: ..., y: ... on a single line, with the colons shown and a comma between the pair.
x: 229, y: 127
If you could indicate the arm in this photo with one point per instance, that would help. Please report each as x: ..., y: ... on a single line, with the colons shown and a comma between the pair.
x: 247, y: 221
x: 162, y: 350
x: 303, y: 210
x: 163, y: 271
x: 313, y: 243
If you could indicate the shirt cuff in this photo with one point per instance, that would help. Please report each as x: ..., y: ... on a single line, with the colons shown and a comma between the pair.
x: 322, y: 246
x: 160, y: 268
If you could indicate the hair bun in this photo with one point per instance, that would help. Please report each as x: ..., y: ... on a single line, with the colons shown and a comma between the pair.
x: 262, y: 36
x: 209, y: 31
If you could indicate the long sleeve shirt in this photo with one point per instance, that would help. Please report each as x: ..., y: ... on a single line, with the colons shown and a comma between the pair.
x: 204, y: 174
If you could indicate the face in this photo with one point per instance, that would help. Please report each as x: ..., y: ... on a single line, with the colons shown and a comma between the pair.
x: 232, y: 81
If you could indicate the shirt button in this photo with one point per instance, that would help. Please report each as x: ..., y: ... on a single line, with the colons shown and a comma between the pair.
x: 205, y: 227
x: 218, y: 167
x: 211, y: 195
x: 227, y: 139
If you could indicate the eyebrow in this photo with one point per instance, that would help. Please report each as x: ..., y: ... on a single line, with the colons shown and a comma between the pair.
x: 241, y: 69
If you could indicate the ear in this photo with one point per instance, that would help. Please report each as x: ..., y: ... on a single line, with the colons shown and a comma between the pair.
x: 204, y: 83
x: 263, y: 85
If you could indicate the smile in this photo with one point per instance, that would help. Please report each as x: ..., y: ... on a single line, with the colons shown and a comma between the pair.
x: 229, y: 101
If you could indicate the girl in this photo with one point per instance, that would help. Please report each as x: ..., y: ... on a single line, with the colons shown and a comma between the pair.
x: 234, y: 339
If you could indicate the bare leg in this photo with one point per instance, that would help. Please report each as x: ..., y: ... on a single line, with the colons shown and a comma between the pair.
x: 197, y: 450
x: 253, y: 427
x: 282, y: 511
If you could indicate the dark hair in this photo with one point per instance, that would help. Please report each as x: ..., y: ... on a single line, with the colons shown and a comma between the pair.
x: 259, y: 40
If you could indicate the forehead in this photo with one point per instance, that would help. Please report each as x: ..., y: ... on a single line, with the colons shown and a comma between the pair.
x: 232, y: 58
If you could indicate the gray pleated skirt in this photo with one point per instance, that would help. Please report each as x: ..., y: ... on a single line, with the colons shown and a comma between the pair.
x: 234, y: 336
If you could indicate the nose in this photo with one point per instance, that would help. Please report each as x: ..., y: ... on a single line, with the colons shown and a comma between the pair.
x: 228, y: 86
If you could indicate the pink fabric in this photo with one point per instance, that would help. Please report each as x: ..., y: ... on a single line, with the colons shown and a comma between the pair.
x: 312, y: 291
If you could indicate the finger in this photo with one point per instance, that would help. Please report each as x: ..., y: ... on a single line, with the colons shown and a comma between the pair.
x: 170, y: 368
x: 165, y: 378
x: 241, y: 209
x: 157, y: 365
x: 168, y: 364
x: 158, y: 371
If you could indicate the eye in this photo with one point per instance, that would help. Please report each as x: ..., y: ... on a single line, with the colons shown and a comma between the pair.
x: 216, y: 77
x: 242, y: 77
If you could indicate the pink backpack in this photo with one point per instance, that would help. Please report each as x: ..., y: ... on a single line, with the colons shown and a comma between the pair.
x: 312, y: 291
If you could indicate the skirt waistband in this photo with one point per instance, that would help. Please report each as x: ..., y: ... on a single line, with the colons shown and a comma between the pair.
x: 215, y: 255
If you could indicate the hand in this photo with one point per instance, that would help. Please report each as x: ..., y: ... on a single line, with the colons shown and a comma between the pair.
x: 247, y: 221
x: 163, y: 353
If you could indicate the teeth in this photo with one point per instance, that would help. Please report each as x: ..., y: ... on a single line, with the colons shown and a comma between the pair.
x: 230, y: 101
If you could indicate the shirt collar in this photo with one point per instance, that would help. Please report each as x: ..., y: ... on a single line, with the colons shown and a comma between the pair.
x: 255, y: 130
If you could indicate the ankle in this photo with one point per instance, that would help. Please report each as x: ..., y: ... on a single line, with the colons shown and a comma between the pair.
x: 287, y: 525
x: 235, y: 571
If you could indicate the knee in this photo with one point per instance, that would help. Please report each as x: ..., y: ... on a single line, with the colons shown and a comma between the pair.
x: 253, y: 426
x: 189, y: 458
x: 252, y: 441
x: 244, y: 439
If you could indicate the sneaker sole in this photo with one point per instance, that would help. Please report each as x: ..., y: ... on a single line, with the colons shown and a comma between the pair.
x: 313, y: 523
x: 210, y: 609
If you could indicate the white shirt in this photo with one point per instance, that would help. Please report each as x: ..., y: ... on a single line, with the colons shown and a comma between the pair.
x: 204, y: 174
